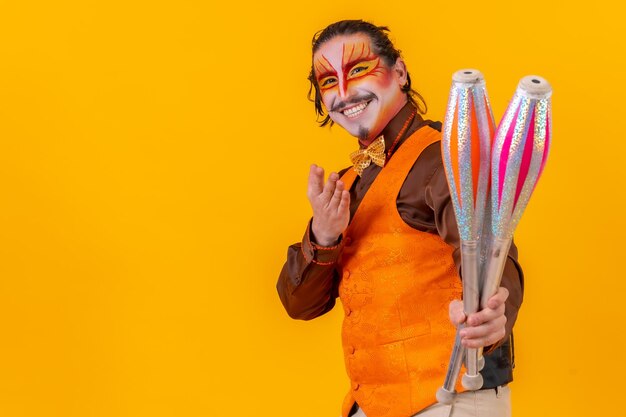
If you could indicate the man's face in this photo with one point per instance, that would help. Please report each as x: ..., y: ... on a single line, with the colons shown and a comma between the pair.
x: 360, y: 92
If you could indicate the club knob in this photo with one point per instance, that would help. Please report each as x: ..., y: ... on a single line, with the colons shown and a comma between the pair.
x: 535, y: 86
x: 472, y: 382
x: 444, y: 396
x: 469, y: 76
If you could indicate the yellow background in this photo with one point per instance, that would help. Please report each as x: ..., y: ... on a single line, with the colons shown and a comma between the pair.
x: 153, y: 164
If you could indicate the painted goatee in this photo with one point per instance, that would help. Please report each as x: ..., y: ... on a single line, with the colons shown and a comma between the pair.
x: 363, y: 133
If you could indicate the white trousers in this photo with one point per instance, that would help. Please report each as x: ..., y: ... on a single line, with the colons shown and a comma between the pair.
x: 481, y: 403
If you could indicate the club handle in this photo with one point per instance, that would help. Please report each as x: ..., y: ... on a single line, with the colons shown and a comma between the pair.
x: 497, y: 254
x: 495, y: 263
x: 446, y: 393
x: 470, y: 258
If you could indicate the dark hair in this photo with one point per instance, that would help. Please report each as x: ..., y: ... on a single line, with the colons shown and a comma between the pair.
x: 381, y: 45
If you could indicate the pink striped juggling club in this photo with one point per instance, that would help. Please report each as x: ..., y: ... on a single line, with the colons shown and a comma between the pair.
x: 519, y: 153
x: 466, y: 147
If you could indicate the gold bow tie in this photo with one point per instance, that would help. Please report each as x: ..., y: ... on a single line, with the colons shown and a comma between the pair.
x: 375, y: 152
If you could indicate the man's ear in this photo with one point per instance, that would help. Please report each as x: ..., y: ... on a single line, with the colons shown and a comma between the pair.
x: 399, y: 70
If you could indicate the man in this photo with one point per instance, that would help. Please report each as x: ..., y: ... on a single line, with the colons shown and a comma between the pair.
x: 384, y: 239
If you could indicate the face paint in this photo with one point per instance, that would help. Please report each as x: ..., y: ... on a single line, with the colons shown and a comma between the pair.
x: 360, y: 92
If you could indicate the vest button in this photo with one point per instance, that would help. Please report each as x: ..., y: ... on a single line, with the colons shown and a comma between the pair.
x: 346, y: 274
x: 351, y: 350
x: 355, y: 386
x: 348, y: 311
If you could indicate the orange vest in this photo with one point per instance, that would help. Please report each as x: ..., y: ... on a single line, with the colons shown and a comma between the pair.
x: 396, y: 286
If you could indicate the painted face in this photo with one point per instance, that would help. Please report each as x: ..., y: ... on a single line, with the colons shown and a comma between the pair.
x: 360, y: 92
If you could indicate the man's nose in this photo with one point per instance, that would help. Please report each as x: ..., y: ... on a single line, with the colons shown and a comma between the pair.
x: 343, y: 89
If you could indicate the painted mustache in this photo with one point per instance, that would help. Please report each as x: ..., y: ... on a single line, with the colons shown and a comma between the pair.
x: 341, y: 105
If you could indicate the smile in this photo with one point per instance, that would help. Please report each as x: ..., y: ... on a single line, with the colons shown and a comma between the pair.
x: 355, y: 111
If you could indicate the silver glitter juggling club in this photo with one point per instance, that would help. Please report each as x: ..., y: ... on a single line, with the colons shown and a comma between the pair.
x: 466, y: 146
x: 519, y: 153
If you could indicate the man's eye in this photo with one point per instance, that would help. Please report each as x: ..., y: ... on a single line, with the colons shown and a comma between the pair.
x: 360, y: 69
x: 328, y: 81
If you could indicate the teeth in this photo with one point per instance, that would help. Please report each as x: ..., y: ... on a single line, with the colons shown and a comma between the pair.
x: 355, y: 111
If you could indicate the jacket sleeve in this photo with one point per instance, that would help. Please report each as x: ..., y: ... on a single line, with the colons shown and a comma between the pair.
x: 308, y: 282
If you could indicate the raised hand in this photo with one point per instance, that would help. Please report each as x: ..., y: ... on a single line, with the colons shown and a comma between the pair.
x: 331, y: 206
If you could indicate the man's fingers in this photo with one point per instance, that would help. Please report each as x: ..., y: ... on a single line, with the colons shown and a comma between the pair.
x: 485, y: 334
x: 455, y: 310
x: 344, y: 204
x: 498, y: 298
x: 485, y: 315
x: 336, y: 198
x: 316, y: 181
x: 483, y: 341
x: 474, y: 332
x: 495, y: 307
x: 487, y: 326
x: 329, y: 188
